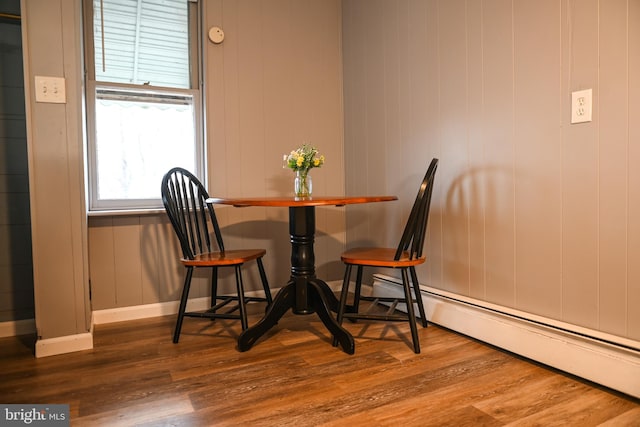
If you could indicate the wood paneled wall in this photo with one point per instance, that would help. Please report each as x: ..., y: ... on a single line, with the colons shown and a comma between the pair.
x: 52, y: 46
x: 273, y: 84
x: 530, y: 212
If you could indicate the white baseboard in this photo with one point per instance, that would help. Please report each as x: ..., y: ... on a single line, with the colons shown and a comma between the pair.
x: 71, y: 343
x: 17, y: 327
x: 50, y: 346
x: 596, y: 358
x: 144, y: 311
x: 135, y: 312
x: 65, y: 344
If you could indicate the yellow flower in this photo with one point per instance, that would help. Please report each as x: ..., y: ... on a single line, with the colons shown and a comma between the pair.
x: 303, y: 158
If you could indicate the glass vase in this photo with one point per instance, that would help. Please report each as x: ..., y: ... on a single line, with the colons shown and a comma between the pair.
x: 303, y: 184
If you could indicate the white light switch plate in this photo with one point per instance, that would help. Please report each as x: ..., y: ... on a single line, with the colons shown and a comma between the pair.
x: 581, y: 103
x: 50, y: 89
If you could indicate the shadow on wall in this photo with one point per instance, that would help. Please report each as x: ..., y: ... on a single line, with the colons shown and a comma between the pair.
x: 478, y: 206
x: 275, y: 234
x: 161, y: 254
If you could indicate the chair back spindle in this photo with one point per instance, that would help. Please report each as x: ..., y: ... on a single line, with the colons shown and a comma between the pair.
x: 184, y: 199
x: 416, y: 228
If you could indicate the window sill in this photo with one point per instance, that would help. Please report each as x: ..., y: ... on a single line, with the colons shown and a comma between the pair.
x: 125, y: 212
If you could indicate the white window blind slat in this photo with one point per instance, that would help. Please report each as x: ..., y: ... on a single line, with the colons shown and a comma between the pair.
x: 154, y: 49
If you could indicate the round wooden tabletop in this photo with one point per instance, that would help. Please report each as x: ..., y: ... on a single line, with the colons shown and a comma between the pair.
x: 298, y: 201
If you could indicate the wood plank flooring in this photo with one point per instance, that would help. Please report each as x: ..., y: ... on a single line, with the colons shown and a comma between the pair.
x: 135, y: 375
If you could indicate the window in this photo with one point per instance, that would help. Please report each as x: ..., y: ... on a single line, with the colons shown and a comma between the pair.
x: 143, y: 98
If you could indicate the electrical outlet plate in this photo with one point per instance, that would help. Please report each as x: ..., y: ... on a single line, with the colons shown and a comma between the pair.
x: 50, y: 89
x: 581, y: 106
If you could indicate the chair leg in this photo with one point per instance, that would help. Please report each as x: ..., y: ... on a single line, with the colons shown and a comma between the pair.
x: 416, y: 288
x: 265, y: 283
x: 241, y: 301
x: 183, y: 304
x: 356, y: 297
x: 214, y: 287
x: 343, y: 299
x: 410, y: 312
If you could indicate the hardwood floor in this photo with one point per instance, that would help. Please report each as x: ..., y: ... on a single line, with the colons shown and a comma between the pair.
x: 135, y: 375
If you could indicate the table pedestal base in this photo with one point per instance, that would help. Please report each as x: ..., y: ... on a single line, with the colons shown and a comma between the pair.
x: 320, y: 299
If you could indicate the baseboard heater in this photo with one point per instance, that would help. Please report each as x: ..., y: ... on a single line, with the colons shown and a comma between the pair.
x: 603, y: 358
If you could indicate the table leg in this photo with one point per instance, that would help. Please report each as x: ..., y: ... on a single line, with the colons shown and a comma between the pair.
x: 304, y: 293
x: 321, y: 298
x: 284, y: 300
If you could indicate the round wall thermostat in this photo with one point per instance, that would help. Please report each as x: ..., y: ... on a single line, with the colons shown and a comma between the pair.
x: 216, y: 35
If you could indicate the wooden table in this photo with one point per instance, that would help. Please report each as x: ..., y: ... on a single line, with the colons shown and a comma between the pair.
x: 304, y: 293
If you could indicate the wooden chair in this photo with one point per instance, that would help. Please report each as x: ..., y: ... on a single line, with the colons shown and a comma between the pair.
x: 184, y: 199
x: 405, y: 257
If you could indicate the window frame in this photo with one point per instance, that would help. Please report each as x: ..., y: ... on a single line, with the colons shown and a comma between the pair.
x: 95, y: 205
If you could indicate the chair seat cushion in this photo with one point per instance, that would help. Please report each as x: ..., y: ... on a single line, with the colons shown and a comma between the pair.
x: 212, y: 259
x: 381, y: 257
